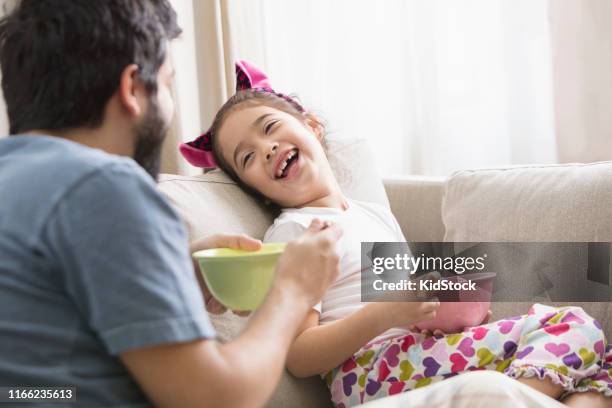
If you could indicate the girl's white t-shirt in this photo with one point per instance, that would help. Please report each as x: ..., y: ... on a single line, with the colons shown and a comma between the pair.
x: 360, y: 222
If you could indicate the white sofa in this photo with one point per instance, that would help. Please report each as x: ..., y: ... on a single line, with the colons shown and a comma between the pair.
x: 530, y: 203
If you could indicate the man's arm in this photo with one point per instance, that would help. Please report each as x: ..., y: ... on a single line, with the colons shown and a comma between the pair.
x: 245, y: 371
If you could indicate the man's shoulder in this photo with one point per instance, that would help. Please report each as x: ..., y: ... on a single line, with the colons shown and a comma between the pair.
x: 57, y: 162
x: 73, y: 155
x: 39, y: 173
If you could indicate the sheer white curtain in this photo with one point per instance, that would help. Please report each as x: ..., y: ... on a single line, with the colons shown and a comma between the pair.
x: 435, y: 85
x: 582, y: 66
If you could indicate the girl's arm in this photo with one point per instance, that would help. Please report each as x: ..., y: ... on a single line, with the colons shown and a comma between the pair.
x: 318, y: 349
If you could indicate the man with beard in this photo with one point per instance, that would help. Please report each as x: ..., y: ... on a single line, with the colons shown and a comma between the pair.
x: 97, y: 289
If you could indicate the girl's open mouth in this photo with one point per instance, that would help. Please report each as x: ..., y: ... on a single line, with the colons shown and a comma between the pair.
x: 288, y: 164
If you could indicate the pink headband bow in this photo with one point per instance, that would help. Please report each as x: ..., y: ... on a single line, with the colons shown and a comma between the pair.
x: 199, y: 151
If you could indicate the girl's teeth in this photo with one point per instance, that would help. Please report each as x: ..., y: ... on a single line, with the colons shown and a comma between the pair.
x: 279, y: 173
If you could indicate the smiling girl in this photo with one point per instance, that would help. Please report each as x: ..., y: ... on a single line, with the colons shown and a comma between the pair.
x: 275, y: 150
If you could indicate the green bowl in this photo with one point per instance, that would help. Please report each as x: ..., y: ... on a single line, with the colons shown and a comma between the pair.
x: 239, y: 279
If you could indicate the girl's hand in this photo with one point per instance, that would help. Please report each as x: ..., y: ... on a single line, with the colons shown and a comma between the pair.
x: 236, y: 241
x: 398, y: 314
x: 437, y: 333
x: 405, y: 308
x: 487, y: 318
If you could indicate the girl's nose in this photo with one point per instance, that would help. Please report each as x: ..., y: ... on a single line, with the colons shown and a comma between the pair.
x: 271, y: 151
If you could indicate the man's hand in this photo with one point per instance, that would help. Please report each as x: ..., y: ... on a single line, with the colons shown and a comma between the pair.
x: 237, y: 241
x: 310, y: 263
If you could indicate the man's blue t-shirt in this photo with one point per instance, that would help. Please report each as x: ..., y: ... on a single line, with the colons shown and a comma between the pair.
x: 93, y: 262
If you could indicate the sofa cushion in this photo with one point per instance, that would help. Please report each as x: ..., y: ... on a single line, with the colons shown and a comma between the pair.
x: 536, y: 203
x: 211, y: 203
x: 554, y: 203
x: 415, y: 202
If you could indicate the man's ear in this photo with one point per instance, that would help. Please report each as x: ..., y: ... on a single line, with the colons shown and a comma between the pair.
x: 129, y: 90
x: 315, y: 125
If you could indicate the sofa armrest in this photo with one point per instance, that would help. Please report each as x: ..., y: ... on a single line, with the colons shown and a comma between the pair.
x: 416, y: 202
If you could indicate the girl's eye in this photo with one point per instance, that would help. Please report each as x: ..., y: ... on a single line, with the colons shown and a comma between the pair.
x: 246, y: 159
x: 268, y: 126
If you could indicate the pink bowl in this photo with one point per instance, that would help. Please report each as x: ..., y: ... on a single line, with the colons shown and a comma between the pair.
x: 472, y: 308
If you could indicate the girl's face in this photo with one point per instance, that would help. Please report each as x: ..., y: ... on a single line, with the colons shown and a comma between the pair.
x: 277, y: 154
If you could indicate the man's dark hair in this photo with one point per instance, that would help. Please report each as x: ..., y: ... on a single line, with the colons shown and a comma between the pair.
x: 62, y: 60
